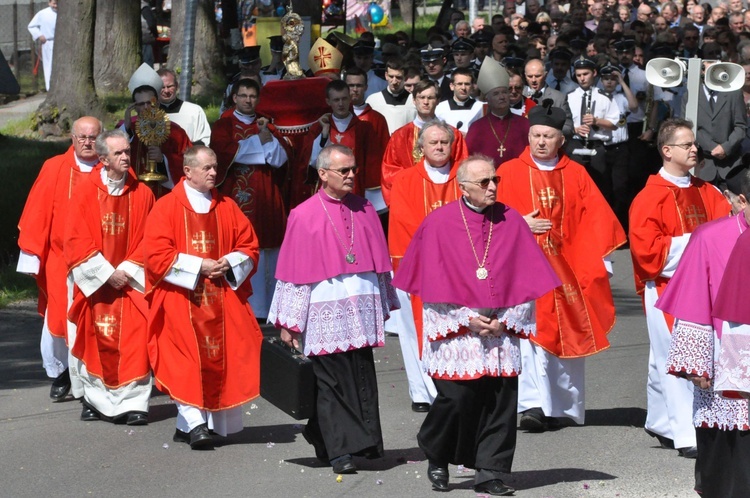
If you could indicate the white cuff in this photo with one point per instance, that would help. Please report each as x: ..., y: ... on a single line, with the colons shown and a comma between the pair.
x: 250, y: 151
x: 184, y: 273
x: 28, y: 263
x: 316, y: 150
x: 676, y: 248
x: 90, y: 275
x: 274, y: 154
x: 608, y: 266
x: 241, y: 265
x: 136, y: 275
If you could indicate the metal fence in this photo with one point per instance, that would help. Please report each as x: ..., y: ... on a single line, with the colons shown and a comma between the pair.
x: 16, y: 44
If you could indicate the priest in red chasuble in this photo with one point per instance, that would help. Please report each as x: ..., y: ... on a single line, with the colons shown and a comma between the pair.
x: 500, y: 134
x: 42, y: 230
x: 477, y: 270
x: 577, y: 231
x: 416, y: 193
x: 342, y: 127
x: 145, y: 86
x: 662, y: 216
x: 403, y: 151
x: 104, y: 252
x: 253, y: 159
x: 204, y: 341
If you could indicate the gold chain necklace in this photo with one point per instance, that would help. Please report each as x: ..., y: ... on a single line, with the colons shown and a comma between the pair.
x: 481, y: 270
x: 350, y: 257
x: 501, y: 150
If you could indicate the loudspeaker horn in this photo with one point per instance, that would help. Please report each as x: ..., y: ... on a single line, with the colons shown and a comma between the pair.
x: 724, y: 77
x: 665, y: 73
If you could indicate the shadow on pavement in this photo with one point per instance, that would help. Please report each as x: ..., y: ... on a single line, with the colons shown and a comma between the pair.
x: 625, y: 417
x: 20, y: 359
x: 530, y: 479
x: 391, y: 459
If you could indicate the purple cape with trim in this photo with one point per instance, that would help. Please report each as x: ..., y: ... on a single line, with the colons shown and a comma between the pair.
x: 691, y: 292
x: 439, y: 265
x: 731, y: 301
x: 311, y: 252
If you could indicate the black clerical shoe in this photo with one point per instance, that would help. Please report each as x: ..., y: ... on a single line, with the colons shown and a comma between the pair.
x: 199, y: 438
x: 691, y: 452
x: 88, y: 414
x: 137, y: 418
x: 495, y: 487
x: 60, y: 386
x: 533, y: 420
x: 343, y: 465
x: 438, y: 476
x: 665, y: 442
x: 420, y: 407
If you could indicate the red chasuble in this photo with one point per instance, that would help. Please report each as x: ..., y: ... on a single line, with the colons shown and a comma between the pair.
x: 502, y: 139
x: 574, y: 319
x: 42, y: 228
x: 413, y: 197
x: 204, y: 344
x: 111, y: 334
x: 663, y: 210
x: 173, y: 149
x: 358, y: 136
x: 258, y: 189
x: 378, y: 123
x: 402, y: 153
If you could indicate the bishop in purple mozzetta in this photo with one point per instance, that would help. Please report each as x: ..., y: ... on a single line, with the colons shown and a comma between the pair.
x: 721, y: 423
x: 332, y: 296
x: 477, y: 268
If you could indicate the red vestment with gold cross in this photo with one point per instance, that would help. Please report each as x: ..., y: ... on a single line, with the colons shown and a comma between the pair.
x: 574, y: 319
x: 42, y: 228
x: 111, y: 334
x: 204, y: 344
x: 258, y: 189
x: 663, y: 210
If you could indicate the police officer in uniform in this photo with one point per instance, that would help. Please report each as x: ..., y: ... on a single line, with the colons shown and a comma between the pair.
x: 433, y: 62
x: 617, y: 153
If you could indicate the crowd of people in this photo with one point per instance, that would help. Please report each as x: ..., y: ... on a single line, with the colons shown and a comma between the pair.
x: 465, y: 194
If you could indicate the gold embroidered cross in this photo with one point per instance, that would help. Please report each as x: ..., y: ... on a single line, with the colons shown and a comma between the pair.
x: 571, y: 293
x: 106, y: 325
x: 203, y: 296
x: 549, y: 247
x: 212, y: 346
x: 436, y: 205
x: 112, y: 224
x: 694, y: 216
x: 203, y: 242
x: 547, y: 197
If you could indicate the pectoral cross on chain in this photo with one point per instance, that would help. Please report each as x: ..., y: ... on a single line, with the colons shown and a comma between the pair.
x: 501, y: 150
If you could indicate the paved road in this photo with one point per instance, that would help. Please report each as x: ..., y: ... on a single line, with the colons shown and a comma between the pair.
x: 20, y: 109
x: 46, y: 451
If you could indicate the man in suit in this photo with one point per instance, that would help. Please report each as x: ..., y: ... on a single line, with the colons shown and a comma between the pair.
x: 538, y: 90
x: 719, y: 133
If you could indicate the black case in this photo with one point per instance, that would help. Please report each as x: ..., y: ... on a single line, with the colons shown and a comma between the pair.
x: 287, y: 379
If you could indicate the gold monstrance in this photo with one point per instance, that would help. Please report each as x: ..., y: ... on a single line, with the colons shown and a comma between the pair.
x: 152, y: 128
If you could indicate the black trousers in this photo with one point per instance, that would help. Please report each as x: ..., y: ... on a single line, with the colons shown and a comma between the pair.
x: 617, y: 157
x: 722, y: 469
x: 347, y: 417
x: 473, y: 423
x: 596, y: 165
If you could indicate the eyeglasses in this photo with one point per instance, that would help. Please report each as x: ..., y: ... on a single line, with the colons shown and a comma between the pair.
x: 685, y: 146
x: 485, y: 182
x: 83, y: 138
x: 345, y: 171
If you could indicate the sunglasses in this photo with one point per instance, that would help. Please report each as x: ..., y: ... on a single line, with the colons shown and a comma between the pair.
x: 345, y: 171
x: 485, y: 182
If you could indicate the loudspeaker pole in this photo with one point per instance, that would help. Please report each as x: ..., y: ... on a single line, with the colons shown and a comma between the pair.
x: 693, y: 89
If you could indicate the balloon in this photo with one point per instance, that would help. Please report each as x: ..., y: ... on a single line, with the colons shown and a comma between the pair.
x: 280, y: 11
x: 376, y: 13
x: 382, y: 23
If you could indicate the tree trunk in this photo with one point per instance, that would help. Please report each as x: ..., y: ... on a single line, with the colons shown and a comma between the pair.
x: 405, y: 7
x: 72, y: 93
x: 208, y: 60
x: 117, y: 46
